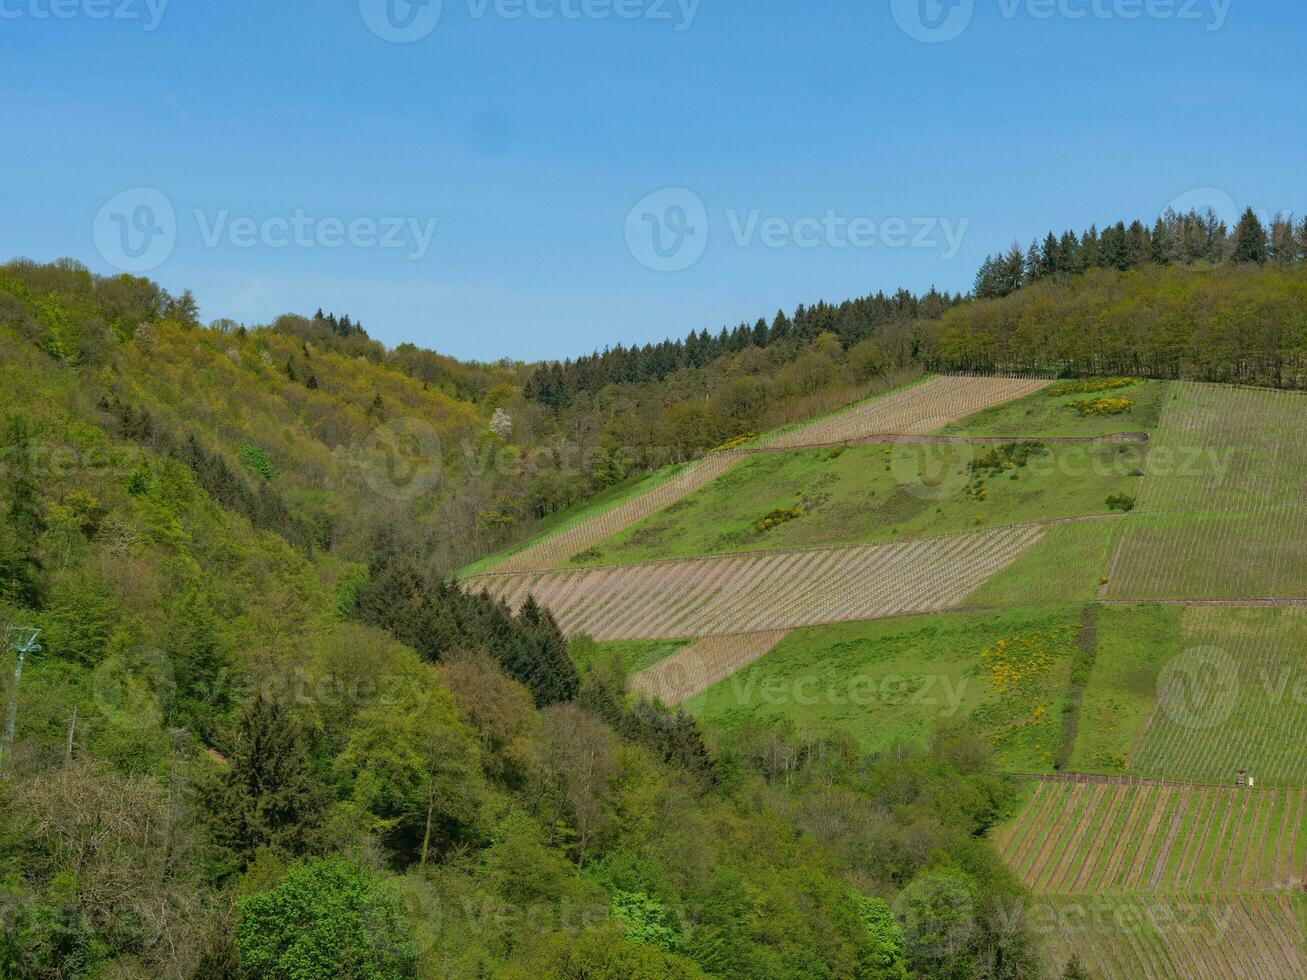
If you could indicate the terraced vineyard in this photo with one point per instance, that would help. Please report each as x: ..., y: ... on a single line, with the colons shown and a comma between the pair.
x: 1102, y: 836
x: 700, y: 666
x: 1178, y: 938
x: 765, y: 590
x: 1220, y: 513
x: 918, y: 410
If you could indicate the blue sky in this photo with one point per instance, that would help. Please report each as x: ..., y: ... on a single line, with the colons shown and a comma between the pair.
x: 781, y: 128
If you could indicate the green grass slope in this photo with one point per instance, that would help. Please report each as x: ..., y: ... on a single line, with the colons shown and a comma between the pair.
x: 1054, y: 411
x: 895, y: 680
x: 863, y: 494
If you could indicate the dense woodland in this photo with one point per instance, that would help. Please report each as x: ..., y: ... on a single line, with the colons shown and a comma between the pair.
x: 264, y: 736
x: 1188, y: 298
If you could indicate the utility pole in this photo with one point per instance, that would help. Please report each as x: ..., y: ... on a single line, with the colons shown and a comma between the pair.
x: 22, y: 640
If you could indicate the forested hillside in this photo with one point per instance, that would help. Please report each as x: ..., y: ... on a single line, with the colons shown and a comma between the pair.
x: 258, y: 734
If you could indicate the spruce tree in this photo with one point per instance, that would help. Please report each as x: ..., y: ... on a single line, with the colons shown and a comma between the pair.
x: 269, y: 796
x: 1249, y: 239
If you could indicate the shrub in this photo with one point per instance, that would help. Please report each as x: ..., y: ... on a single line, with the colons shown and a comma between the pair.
x: 776, y: 518
x: 1103, y: 406
x: 327, y: 919
x: 1009, y: 456
x: 1088, y: 386
x: 730, y: 444
x: 1119, y: 501
x: 254, y: 460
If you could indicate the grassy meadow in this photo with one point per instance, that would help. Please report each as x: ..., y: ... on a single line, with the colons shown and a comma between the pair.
x: 1053, y: 412
x: 894, y: 680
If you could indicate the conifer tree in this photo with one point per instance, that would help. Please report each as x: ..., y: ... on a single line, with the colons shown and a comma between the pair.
x: 269, y: 796
x: 1249, y: 239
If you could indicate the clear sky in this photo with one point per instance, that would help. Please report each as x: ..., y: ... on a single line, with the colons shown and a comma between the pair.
x: 294, y: 154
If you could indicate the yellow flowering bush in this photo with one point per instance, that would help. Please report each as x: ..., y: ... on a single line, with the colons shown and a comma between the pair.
x: 1103, y: 406
x: 1088, y: 386
x: 730, y: 444
x: 777, y: 518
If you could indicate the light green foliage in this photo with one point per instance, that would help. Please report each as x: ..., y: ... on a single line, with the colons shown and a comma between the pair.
x: 645, y: 920
x: 600, y: 954
x: 412, y: 766
x: 938, y: 916
x: 80, y: 620
x: 326, y: 918
x: 885, y: 960
x: 348, y: 584
x: 200, y: 665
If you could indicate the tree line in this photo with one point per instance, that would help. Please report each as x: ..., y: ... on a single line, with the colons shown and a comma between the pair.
x: 556, y: 384
x: 1174, y: 239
